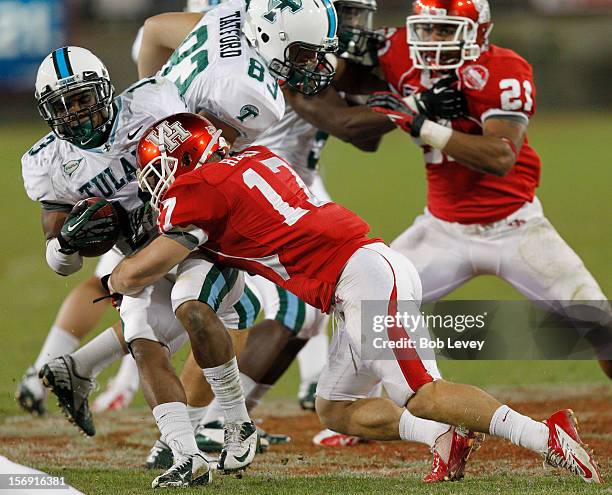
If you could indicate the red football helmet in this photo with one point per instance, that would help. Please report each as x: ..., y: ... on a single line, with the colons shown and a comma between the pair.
x: 174, y: 146
x: 443, y: 34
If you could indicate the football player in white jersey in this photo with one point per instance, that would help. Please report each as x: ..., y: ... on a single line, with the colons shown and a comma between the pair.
x: 227, y: 64
x: 99, y: 134
x: 312, y: 357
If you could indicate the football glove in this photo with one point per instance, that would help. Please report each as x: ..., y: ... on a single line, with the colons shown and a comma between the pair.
x: 115, y: 297
x: 80, y: 229
x: 393, y: 106
x: 442, y: 101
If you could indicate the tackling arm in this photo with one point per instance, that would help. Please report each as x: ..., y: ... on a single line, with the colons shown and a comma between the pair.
x: 147, y: 266
x: 330, y: 113
x: 162, y: 34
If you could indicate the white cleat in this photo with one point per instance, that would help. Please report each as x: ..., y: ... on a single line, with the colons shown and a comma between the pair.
x: 189, y: 471
x: 31, y: 393
x: 240, y: 446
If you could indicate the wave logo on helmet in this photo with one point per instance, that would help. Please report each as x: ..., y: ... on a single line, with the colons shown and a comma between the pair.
x: 174, y: 135
x: 293, y: 5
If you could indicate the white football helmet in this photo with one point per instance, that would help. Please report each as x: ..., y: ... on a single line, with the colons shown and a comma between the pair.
x: 75, y: 95
x: 357, y: 40
x: 201, y: 5
x: 293, y: 36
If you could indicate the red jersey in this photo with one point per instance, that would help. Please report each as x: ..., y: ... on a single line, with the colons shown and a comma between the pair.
x: 499, y: 83
x: 253, y: 212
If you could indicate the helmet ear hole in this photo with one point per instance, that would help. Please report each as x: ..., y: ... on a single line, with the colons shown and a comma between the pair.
x: 265, y: 38
x: 186, y: 159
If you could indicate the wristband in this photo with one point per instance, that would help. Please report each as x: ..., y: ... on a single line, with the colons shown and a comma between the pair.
x: 435, y: 135
x: 61, y: 262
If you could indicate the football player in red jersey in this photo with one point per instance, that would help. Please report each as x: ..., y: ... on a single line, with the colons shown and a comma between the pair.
x: 482, y: 215
x: 252, y: 212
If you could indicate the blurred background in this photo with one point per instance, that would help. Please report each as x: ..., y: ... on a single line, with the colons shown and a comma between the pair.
x: 569, y: 42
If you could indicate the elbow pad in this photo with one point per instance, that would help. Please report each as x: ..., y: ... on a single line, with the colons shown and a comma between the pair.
x: 60, y: 263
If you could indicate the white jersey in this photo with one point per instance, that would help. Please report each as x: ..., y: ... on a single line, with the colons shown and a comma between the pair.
x: 58, y: 174
x: 297, y: 142
x: 217, y: 71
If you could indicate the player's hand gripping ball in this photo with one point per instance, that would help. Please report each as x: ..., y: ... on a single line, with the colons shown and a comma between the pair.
x: 91, y: 228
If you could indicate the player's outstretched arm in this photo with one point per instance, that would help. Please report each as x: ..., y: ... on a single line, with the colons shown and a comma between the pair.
x: 330, y: 113
x: 147, y: 266
x: 162, y: 34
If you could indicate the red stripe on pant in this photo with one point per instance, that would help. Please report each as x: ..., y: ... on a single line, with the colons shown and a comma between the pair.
x: 408, y: 359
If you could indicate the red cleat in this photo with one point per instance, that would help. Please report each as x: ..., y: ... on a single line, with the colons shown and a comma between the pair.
x: 566, y: 450
x: 450, y: 454
x: 329, y: 438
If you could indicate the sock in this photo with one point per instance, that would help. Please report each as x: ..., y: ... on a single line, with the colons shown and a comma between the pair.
x: 225, y: 383
x: 128, y: 373
x: 196, y: 414
x: 175, y: 428
x: 520, y: 430
x: 214, y: 413
x: 311, y: 360
x: 57, y: 343
x: 253, y: 391
x: 420, y: 430
x: 98, y: 354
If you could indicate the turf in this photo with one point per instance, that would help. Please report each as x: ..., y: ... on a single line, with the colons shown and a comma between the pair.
x: 388, y: 190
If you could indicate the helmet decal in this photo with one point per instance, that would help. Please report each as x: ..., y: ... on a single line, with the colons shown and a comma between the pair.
x: 61, y: 62
x: 483, y: 9
x: 331, y: 17
x: 293, y: 5
x: 173, y: 135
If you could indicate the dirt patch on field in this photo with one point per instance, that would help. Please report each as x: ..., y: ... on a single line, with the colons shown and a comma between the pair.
x: 124, y: 438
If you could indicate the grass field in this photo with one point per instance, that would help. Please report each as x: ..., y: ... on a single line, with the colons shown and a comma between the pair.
x: 388, y: 190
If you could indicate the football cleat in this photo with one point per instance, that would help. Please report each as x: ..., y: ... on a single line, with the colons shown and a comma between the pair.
x: 31, y: 395
x: 209, y: 436
x: 266, y: 439
x: 116, y: 396
x: 71, y: 390
x: 240, y: 445
x: 450, y: 454
x: 330, y: 438
x: 160, y: 456
x: 566, y: 450
x: 189, y: 471
x: 307, y: 401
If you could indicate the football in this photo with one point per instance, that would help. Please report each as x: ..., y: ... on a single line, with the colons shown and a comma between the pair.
x: 99, y: 248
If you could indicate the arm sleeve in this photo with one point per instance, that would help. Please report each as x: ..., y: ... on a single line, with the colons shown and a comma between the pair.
x: 36, y: 179
x: 254, y: 106
x: 191, y: 212
x: 388, y: 52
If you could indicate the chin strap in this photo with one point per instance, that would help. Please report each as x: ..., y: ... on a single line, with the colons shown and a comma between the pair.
x: 215, y: 137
